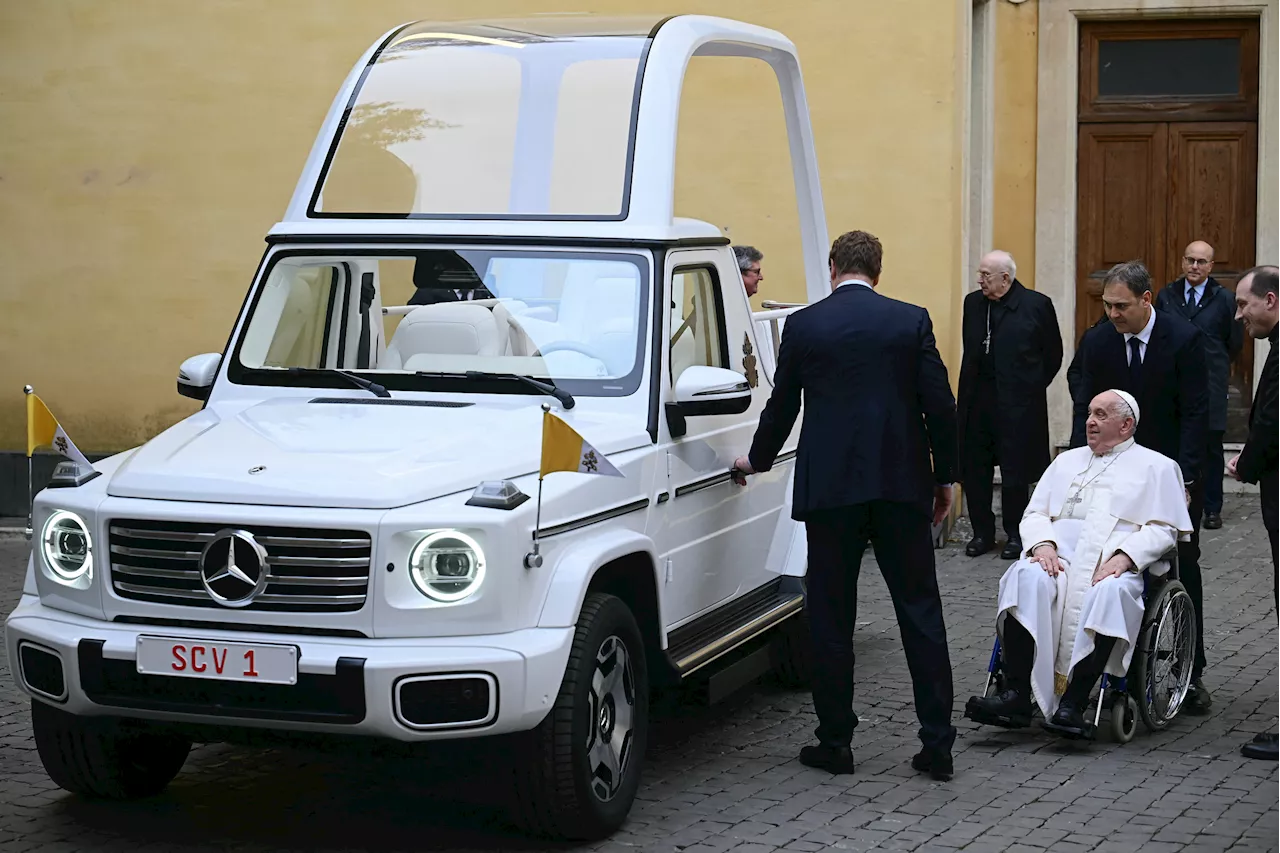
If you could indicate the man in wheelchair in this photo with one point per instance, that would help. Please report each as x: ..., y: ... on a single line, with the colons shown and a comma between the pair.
x: 1072, y: 607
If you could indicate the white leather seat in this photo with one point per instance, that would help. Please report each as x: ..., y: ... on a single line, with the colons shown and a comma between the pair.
x: 446, y: 328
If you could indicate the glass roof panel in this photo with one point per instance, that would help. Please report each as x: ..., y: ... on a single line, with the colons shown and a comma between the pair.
x: 504, y: 120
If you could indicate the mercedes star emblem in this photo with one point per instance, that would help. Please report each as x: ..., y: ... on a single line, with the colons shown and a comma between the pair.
x: 233, y: 568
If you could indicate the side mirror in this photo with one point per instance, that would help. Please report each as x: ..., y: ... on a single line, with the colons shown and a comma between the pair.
x: 196, y: 375
x: 707, y: 391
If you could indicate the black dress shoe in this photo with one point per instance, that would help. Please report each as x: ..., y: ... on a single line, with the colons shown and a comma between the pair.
x: 937, y: 764
x: 1198, y: 701
x: 1009, y: 709
x: 833, y: 759
x: 978, y: 546
x: 1262, y: 746
x: 1069, y: 721
x: 1012, y: 550
x: 1212, y: 520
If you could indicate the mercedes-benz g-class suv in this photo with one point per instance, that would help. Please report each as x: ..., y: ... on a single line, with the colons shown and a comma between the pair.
x: 342, y: 539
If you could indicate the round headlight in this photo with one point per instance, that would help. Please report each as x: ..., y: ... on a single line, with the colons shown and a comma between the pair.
x: 66, y: 545
x: 447, y: 565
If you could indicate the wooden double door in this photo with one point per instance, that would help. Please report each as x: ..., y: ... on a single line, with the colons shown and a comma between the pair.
x: 1167, y: 154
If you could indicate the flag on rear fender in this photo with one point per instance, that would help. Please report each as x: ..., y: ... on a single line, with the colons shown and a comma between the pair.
x: 564, y: 450
x: 43, y: 429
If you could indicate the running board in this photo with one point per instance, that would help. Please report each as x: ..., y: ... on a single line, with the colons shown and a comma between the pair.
x: 709, y: 637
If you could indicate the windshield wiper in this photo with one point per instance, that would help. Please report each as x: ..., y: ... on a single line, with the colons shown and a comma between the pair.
x: 359, y: 381
x: 548, y: 387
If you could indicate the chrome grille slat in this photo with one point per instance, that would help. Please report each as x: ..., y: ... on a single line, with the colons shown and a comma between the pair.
x: 145, y: 572
x: 319, y: 562
x: 155, y: 553
x: 301, y: 580
x: 308, y: 570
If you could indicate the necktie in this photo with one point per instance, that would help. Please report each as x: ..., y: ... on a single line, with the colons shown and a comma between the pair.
x: 1135, y: 367
x: 1191, y: 298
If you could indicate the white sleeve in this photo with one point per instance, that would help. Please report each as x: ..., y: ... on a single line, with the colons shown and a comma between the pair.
x: 1036, y: 525
x: 1147, y: 544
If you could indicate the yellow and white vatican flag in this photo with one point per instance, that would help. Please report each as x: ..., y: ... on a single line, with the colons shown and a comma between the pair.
x: 564, y: 450
x: 43, y: 429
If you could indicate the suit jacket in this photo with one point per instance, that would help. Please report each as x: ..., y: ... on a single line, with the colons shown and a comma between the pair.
x: 1214, y: 315
x: 876, y: 400
x: 1173, y: 397
x: 1027, y: 350
x: 1258, y: 459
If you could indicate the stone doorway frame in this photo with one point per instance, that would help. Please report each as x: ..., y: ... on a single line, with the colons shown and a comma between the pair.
x: 1056, y: 131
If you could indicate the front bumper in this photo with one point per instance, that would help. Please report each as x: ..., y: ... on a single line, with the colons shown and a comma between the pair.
x: 345, y: 685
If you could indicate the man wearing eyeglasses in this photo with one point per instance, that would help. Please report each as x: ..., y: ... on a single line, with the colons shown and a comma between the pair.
x: 749, y: 258
x: 1199, y: 298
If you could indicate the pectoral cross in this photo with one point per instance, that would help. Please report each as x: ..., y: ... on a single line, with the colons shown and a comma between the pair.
x: 1072, y: 502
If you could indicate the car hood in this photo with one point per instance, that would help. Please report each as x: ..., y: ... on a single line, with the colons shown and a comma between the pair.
x: 351, y: 452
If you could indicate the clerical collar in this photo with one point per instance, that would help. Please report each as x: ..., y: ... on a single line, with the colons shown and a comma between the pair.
x: 1117, y: 450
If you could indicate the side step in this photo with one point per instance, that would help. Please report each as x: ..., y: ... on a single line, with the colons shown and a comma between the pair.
x: 719, y: 632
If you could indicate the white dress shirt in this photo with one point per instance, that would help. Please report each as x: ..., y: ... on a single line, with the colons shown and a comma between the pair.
x: 1143, y: 337
x: 861, y: 281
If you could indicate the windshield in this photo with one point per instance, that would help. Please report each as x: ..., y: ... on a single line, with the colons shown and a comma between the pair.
x: 488, y: 122
x: 574, y: 318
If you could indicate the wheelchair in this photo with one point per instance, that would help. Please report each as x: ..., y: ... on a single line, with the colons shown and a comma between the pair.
x: 1159, y: 674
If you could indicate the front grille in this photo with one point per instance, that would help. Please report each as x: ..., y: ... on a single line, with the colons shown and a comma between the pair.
x: 308, y: 570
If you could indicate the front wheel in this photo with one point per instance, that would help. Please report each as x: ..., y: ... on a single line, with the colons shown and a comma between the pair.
x: 577, y: 773
x: 109, y: 759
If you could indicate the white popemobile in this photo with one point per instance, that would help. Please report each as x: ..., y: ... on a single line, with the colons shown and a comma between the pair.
x: 341, y: 540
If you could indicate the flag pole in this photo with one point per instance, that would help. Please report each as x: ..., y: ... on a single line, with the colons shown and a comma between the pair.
x: 27, y: 391
x: 533, y: 560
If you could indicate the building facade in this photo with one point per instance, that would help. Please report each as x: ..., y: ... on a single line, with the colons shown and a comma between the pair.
x: 146, y: 148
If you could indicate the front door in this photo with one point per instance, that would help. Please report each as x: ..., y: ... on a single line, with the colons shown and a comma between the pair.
x: 1168, y: 146
x: 716, y: 539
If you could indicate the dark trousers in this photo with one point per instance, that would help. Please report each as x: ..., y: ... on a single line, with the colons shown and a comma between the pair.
x: 982, y: 442
x: 1274, y: 534
x: 1269, y: 490
x: 1189, y: 572
x: 900, y: 535
x: 1214, y: 468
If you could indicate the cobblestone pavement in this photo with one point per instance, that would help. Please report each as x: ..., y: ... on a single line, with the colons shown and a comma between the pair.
x: 725, y: 777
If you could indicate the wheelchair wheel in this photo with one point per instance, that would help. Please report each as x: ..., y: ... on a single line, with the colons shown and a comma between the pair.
x: 1165, y: 653
x: 1124, y: 717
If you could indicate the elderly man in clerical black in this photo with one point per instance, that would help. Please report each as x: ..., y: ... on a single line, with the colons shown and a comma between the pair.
x: 1072, y: 607
x: 1012, y: 351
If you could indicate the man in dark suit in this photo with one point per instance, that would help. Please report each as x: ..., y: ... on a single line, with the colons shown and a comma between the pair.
x: 876, y: 401
x: 1158, y: 358
x: 1199, y: 299
x: 1258, y: 305
x: 1012, y: 351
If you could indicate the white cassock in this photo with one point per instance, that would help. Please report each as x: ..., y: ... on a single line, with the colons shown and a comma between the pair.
x: 1089, y: 506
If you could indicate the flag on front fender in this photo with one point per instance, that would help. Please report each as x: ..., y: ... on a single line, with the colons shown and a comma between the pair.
x: 43, y: 428
x: 564, y: 450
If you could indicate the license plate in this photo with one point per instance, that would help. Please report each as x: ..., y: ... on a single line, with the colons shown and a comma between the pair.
x: 252, y: 662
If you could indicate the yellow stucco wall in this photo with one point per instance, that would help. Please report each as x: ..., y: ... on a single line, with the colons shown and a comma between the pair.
x: 147, y: 146
x: 1014, y: 142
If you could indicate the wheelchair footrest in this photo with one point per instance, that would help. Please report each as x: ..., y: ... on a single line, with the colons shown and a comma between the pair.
x: 984, y: 717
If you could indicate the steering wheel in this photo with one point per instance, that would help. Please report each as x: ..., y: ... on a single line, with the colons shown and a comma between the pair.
x: 570, y: 346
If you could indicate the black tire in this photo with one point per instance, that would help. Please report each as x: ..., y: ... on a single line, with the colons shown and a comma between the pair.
x: 1124, y: 717
x: 105, y: 759
x: 559, y: 792
x: 792, y: 653
x: 1160, y: 671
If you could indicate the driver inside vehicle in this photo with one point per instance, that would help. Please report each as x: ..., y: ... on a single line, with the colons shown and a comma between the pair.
x: 559, y: 315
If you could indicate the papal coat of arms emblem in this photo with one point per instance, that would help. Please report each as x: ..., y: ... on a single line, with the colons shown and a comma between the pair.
x: 590, y: 464
x: 749, y: 361
x: 61, y: 444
